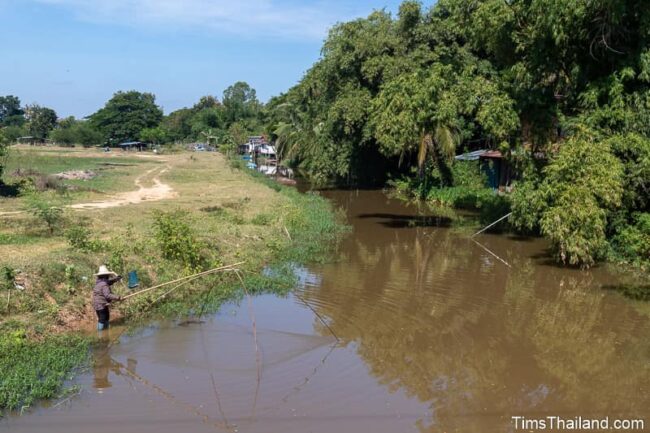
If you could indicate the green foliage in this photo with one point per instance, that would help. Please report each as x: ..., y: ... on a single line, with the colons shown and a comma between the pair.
x: 237, y: 133
x: 7, y: 282
x: 632, y: 242
x: 580, y: 186
x: 40, y: 120
x: 79, y: 238
x: 177, y: 240
x: 71, y: 132
x: 10, y: 111
x: 35, y: 370
x: 3, y: 153
x: 401, y: 94
x: 528, y: 204
x: 47, y: 209
x: 125, y: 115
x: 212, y: 122
x: 633, y: 150
x: 228, y: 145
x: 240, y: 102
x: 13, y: 132
x: 177, y: 124
x: 155, y: 135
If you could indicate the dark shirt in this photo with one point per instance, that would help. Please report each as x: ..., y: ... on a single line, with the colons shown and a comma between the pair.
x: 102, y: 295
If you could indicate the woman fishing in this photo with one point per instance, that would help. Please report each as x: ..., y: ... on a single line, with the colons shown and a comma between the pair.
x: 102, y: 295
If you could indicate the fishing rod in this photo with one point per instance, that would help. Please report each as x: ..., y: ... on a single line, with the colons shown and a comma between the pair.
x: 199, y: 274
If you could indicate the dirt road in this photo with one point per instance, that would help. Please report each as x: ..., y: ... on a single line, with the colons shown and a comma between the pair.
x: 159, y: 191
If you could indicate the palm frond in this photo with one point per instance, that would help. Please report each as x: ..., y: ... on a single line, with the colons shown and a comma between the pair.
x: 445, y: 141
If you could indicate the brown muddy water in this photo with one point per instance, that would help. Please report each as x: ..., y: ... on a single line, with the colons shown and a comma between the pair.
x: 433, y: 334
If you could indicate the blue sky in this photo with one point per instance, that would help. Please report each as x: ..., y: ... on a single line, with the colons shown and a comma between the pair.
x: 72, y: 55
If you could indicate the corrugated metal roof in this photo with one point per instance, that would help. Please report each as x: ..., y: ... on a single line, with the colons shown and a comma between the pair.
x: 470, y: 156
x: 492, y: 154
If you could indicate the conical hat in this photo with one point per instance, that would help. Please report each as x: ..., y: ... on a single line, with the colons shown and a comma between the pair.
x: 103, y: 270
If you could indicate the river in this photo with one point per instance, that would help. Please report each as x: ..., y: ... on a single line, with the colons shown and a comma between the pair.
x: 414, y: 328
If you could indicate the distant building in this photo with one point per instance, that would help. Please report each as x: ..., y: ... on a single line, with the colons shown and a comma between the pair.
x: 491, y: 162
x: 133, y: 145
x: 253, y: 144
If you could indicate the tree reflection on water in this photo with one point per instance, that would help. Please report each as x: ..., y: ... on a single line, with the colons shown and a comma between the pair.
x: 439, y: 318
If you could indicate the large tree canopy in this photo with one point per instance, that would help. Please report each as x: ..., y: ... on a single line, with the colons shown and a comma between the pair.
x: 545, y: 78
x: 125, y: 115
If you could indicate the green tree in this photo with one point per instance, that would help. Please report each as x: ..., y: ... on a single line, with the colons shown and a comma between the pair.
x: 86, y: 134
x: 71, y: 131
x: 580, y: 189
x: 207, y: 118
x: 238, y: 133
x: 125, y: 115
x: 40, y: 120
x: 177, y: 124
x: 155, y: 135
x: 206, y: 102
x: 10, y: 111
x: 240, y: 102
x: 13, y: 132
x: 406, y: 121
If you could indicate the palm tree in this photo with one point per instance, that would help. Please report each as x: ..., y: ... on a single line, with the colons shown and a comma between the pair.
x: 441, y: 145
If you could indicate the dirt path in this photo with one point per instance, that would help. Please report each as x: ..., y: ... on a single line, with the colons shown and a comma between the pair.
x: 159, y: 191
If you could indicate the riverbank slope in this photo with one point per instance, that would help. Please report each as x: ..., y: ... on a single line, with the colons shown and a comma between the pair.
x: 163, y: 216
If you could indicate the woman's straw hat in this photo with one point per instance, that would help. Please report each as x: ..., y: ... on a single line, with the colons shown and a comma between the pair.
x: 103, y: 270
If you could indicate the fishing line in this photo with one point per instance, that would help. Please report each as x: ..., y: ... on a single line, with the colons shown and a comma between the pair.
x: 258, y: 360
x: 170, y: 397
x: 317, y: 315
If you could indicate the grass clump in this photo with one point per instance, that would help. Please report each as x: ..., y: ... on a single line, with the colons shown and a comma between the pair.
x: 32, y: 370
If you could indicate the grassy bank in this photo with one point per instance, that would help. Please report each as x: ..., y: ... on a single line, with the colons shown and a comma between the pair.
x: 461, y: 187
x: 215, y: 214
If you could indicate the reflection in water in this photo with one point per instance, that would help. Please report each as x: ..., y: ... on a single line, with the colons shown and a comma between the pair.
x: 433, y: 314
x: 103, y: 363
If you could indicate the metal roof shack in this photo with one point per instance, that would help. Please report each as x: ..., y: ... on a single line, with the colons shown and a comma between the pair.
x: 133, y: 144
x: 498, y: 169
x: 492, y: 162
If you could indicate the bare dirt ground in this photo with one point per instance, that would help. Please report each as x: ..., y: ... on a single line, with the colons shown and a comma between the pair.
x: 159, y: 191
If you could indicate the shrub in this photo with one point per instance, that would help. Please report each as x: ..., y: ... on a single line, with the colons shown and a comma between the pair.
x: 494, y: 207
x: 79, y: 239
x: 632, y: 242
x: 176, y: 239
x: 48, y: 211
x: 7, y: 280
x: 582, y: 184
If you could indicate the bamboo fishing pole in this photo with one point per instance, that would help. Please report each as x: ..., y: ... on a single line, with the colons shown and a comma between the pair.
x: 181, y: 279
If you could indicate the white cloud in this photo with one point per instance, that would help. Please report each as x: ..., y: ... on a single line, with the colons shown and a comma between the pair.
x: 256, y: 18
